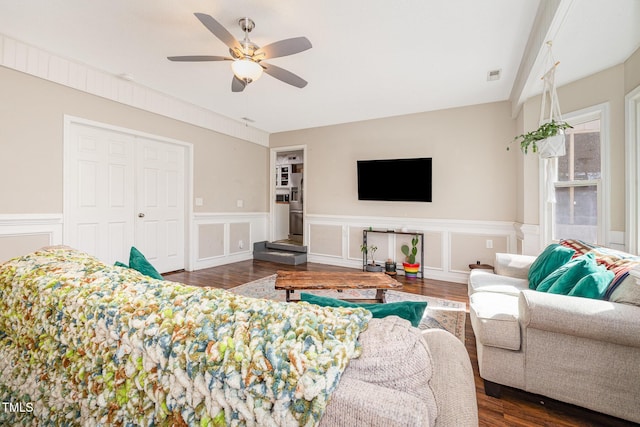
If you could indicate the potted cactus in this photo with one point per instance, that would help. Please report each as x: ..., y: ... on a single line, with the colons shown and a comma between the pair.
x: 411, y: 267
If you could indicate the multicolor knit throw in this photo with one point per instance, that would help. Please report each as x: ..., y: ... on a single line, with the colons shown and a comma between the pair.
x: 83, y: 343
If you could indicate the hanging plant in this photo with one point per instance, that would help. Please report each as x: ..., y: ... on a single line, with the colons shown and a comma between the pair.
x: 548, y: 139
x: 534, y: 139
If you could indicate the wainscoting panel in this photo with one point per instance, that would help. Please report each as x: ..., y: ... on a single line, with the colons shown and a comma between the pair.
x: 450, y: 245
x: 21, y: 234
x: 326, y: 240
x: 223, y: 238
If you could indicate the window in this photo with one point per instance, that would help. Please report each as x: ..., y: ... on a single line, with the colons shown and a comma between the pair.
x: 579, y: 176
x: 578, y: 212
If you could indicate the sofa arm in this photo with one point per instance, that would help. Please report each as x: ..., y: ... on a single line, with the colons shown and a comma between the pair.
x: 513, y: 265
x: 583, y: 317
x: 452, y: 382
x: 359, y: 403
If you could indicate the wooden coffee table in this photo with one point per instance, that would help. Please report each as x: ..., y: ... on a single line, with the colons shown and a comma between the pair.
x: 292, y: 281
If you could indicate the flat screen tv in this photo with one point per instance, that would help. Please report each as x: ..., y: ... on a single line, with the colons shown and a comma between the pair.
x: 396, y: 180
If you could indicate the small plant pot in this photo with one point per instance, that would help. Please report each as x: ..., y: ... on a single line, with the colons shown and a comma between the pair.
x: 390, y: 267
x: 373, y: 268
x: 552, y: 147
x: 411, y: 270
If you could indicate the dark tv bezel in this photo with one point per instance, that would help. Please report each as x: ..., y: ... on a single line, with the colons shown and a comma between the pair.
x: 386, y: 191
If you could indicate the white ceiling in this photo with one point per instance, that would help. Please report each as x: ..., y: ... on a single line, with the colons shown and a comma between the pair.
x: 370, y: 58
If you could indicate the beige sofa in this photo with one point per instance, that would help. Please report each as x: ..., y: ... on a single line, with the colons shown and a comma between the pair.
x: 576, y: 350
x: 108, y: 345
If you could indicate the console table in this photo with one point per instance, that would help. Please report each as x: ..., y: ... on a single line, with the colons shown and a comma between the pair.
x: 410, y: 233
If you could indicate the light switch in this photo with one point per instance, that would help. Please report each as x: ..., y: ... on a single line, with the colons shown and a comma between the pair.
x: 199, y: 201
x: 240, y: 203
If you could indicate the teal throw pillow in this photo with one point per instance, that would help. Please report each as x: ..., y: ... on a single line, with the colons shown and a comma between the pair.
x: 120, y: 264
x: 593, y: 285
x: 138, y: 262
x: 410, y: 310
x: 566, y: 277
x: 553, y: 257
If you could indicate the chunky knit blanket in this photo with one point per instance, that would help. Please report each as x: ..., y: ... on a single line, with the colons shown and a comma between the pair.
x: 82, y: 343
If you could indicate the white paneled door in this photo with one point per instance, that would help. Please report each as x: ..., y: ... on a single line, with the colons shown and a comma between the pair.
x: 160, y: 204
x: 124, y: 190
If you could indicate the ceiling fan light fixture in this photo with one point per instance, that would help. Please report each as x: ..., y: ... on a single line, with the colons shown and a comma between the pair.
x: 246, y: 70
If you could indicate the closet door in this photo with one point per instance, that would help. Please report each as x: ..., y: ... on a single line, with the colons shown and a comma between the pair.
x: 98, y: 182
x: 124, y: 190
x: 160, y: 226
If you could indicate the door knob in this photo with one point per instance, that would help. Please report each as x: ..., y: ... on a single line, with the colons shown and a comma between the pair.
x: 140, y: 215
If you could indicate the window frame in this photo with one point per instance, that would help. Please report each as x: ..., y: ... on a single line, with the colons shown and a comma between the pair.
x: 632, y: 170
x: 547, y: 210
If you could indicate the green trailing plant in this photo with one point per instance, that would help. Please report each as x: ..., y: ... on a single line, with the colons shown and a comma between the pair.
x: 410, y: 253
x: 369, y: 251
x: 531, y: 139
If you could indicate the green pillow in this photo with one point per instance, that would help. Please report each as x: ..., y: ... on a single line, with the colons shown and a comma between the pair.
x: 120, y: 264
x: 138, y: 262
x: 553, y: 257
x: 566, y: 277
x: 593, y: 285
x: 410, y: 310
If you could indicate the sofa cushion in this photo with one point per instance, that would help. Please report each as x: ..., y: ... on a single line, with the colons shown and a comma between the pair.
x: 481, y: 280
x: 627, y: 292
x: 620, y: 263
x: 572, y: 276
x: 409, y: 310
x: 495, y: 319
x: 553, y: 257
x: 139, y: 262
x: 575, y: 270
x: 593, y: 285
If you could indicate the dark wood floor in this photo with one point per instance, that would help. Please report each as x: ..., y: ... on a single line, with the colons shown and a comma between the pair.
x: 515, y: 408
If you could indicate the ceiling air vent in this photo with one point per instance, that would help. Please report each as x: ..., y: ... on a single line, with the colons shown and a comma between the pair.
x: 494, y: 75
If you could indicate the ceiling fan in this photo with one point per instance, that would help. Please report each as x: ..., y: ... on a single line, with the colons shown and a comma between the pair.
x: 247, y: 56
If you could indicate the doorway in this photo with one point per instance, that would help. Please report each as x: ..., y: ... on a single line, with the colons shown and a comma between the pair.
x: 123, y: 188
x: 288, y: 194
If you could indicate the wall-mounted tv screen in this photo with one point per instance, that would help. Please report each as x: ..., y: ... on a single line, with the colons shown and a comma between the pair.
x: 396, y: 180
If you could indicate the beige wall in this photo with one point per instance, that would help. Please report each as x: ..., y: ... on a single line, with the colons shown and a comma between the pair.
x: 632, y: 72
x: 473, y: 174
x: 474, y: 184
x: 31, y: 142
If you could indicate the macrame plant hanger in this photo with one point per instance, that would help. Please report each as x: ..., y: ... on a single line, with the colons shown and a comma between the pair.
x: 553, y: 147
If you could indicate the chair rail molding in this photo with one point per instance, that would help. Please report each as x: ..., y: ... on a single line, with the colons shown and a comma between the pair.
x: 345, y: 252
x: 25, y: 225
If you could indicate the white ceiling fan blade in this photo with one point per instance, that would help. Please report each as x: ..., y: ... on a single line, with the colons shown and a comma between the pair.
x: 198, y: 58
x: 284, y: 75
x: 218, y: 30
x: 237, y: 85
x: 285, y: 47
